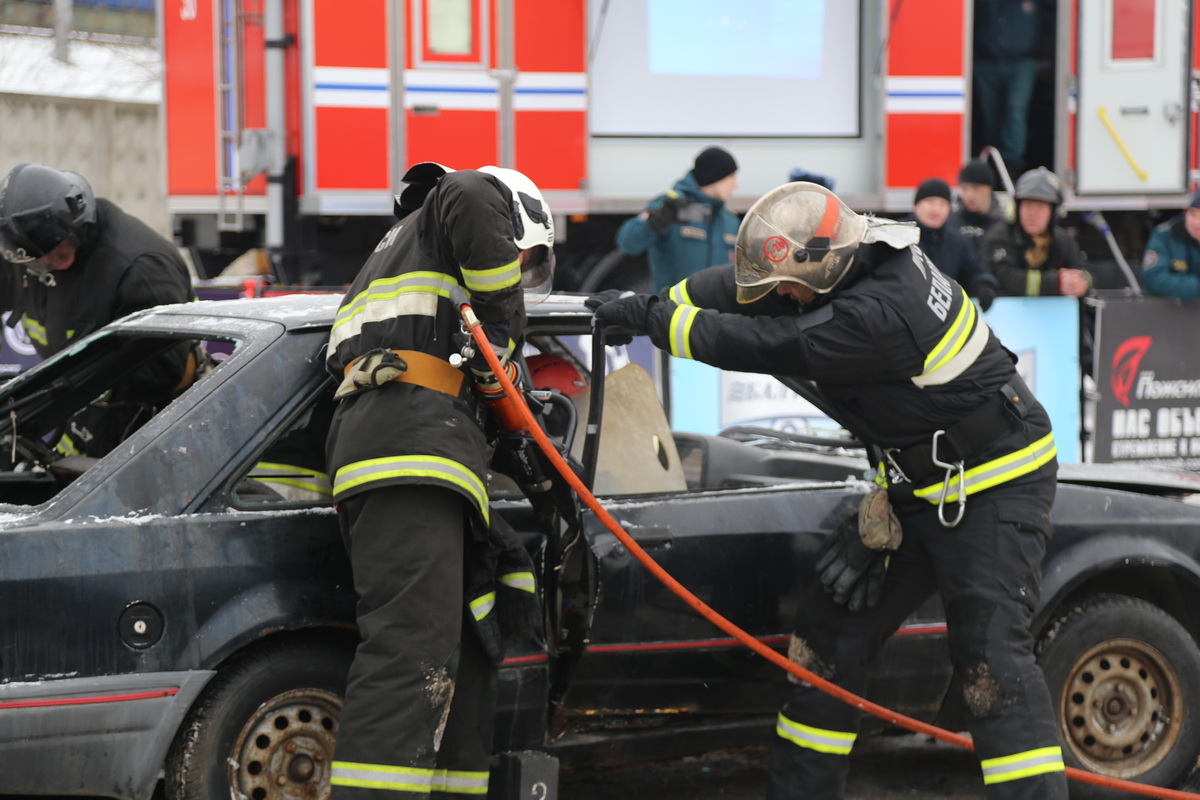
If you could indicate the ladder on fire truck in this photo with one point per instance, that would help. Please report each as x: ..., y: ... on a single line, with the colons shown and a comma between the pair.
x: 231, y: 214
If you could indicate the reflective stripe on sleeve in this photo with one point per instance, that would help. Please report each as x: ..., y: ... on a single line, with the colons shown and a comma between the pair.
x: 492, y: 280
x: 482, y: 606
x: 287, y: 475
x: 995, y: 472
x: 358, y: 473
x: 410, y: 294
x: 407, y: 779
x: 34, y: 329
x: 1033, y: 282
x: 1022, y: 765
x: 681, y: 329
x: 823, y: 741
x: 957, y: 350
x: 679, y: 294
x: 520, y: 580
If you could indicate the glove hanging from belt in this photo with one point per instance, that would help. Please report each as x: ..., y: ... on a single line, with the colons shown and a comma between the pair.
x: 853, y: 559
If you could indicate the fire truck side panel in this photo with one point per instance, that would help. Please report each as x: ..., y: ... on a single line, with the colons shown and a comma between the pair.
x: 253, y: 79
x: 189, y: 97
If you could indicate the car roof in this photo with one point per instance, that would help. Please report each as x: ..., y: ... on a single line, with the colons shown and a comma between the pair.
x: 317, y: 309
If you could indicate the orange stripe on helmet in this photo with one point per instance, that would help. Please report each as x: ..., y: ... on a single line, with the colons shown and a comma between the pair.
x: 828, y: 226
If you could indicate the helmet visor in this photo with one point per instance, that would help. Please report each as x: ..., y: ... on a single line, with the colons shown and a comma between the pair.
x: 537, y: 273
x: 28, y: 235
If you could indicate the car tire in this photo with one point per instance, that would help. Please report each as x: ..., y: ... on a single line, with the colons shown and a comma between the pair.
x: 264, y: 727
x: 1122, y: 675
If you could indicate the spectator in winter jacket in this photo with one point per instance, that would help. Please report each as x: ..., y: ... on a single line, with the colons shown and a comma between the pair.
x: 1032, y: 256
x: 978, y: 208
x: 690, y: 227
x: 1006, y: 46
x: 946, y: 247
x: 1171, y: 265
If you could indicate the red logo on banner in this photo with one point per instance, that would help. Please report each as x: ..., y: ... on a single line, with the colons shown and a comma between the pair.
x: 1125, y: 365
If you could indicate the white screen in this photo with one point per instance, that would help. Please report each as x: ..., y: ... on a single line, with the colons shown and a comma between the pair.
x: 724, y: 68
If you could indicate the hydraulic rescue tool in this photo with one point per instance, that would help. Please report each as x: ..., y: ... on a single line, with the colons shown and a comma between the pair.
x: 529, y: 425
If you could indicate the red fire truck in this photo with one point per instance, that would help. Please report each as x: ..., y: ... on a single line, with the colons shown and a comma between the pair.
x: 288, y: 123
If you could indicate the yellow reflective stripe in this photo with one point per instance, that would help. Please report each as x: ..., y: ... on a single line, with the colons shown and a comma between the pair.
x: 482, y: 606
x: 492, y: 280
x: 520, y: 580
x: 66, y: 446
x: 681, y: 329
x: 407, y: 779
x: 1033, y: 282
x: 823, y: 741
x: 679, y: 294
x: 289, y: 475
x: 955, y: 337
x: 410, y: 294
x: 443, y: 469
x: 35, y: 329
x: 1022, y: 765
x: 994, y: 472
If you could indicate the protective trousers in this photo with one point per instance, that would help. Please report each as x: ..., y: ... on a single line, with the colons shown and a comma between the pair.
x: 988, y: 572
x: 417, y: 721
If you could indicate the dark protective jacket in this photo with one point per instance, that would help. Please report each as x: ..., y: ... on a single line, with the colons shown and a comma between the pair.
x: 1171, y: 265
x: 950, y: 251
x: 124, y: 266
x: 705, y: 235
x: 461, y: 238
x: 897, y: 351
x: 973, y: 225
x: 1003, y: 252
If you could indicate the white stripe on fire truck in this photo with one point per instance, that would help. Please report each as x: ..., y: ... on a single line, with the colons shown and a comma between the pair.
x: 925, y: 95
x: 360, y: 87
x: 351, y: 87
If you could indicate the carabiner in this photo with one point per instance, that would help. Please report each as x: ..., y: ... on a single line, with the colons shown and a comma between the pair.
x: 950, y: 468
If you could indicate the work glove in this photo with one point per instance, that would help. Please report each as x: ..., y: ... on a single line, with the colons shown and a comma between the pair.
x: 614, y: 308
x: 849, y: 571
x: 666, y: 214
x: 985, y: 293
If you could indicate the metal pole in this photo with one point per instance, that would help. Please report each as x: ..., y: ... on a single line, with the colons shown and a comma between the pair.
x: 63, y: 22
x: 276, y: 124
x: 506, y: 79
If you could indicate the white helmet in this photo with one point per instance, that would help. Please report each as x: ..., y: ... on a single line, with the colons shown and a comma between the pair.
x: 800, y: 233
x: 533, y: 228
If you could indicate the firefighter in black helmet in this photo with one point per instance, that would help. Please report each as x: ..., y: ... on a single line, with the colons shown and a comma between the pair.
x: 965, y: 457
x: 75, y: 263
x: 441, y: 580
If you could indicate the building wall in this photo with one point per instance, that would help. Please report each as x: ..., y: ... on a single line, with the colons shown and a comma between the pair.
x: 115, y: 145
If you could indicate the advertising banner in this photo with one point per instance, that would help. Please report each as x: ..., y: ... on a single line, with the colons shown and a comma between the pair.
x: 1148, y: 383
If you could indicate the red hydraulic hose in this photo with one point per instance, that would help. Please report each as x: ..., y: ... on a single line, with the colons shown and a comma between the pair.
x: 484, y: 346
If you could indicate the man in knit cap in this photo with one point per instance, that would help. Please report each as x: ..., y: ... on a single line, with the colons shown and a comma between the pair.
x: 689, y: 227
x: 946, y: 247
x: 978, y: 209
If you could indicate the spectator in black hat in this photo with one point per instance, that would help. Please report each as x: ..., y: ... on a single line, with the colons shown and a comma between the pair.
x: 690, y: 227
x: 978, y: 207
x: 946, y: 247
x: 1171, y: 264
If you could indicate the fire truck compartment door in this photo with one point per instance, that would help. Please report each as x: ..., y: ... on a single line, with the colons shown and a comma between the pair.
x: 1132, y: 110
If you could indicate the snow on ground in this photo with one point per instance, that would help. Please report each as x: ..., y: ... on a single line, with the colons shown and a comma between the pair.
x: 108, y: 70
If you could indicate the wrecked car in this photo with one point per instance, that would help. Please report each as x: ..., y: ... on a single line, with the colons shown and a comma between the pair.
x: 171, y: 612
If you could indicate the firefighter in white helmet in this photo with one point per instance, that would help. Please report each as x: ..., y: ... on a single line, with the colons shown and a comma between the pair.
x: 965, y: 456
x: 441, y: 580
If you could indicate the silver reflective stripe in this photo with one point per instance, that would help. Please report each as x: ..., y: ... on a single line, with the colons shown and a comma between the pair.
x: 823, y: 741
x: 492, y: 280
x: 435, y: 467
x: 457, y: 782
x: 1022, y: 765
x: 482, y: 606
x: 519, y: 580
x: 679, y: 294
x: 946, y: 371
x: 681, y: 329
x: 380, y: 776
x: 411, y: 294
x: 288, y: 475
x: 995, y: 472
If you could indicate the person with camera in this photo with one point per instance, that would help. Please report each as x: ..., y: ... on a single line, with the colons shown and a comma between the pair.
x: 690, y: 227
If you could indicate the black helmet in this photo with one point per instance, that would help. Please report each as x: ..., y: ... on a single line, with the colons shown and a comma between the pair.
x: 1039, y: 184
x: 40, y: 208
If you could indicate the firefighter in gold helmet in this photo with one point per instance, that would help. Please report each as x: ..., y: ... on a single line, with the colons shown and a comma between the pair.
x: 965, y: 457
x: 440, y: 578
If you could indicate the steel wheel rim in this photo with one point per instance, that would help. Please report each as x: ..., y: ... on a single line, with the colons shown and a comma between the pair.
x: 285, y: 750
x: 1122, y: 708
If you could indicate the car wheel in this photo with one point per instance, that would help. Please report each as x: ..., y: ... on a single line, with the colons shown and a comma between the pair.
x: 264, y: 727
x: 1122, y: 673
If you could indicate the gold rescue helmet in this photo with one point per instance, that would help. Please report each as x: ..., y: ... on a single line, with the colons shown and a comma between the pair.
x: 533, y: 228
x: 800, y: 233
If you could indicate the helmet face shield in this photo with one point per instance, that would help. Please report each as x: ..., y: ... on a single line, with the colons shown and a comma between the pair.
x: 799, y: 233
x: 29, y: 235
x: 40, y: 208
